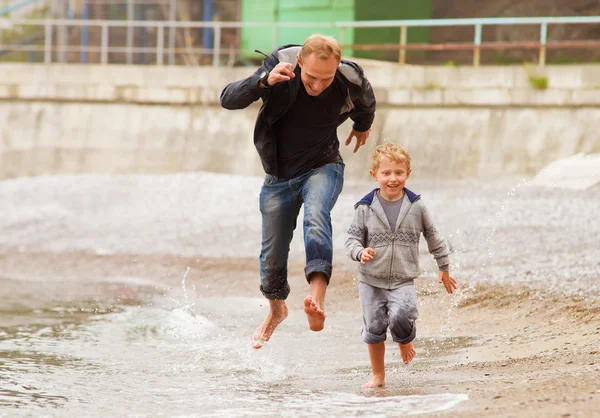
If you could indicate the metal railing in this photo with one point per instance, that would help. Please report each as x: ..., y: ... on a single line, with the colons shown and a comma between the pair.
x: 217, y: 51
x: 12, y: 6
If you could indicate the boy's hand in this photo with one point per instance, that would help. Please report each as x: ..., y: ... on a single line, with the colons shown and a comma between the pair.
x: 449, y: 282
x: 367, y: 255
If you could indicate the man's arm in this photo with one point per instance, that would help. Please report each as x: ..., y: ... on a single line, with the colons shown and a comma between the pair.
x: 364, y: 107
x: 363, y: 102
x: 241, y: 94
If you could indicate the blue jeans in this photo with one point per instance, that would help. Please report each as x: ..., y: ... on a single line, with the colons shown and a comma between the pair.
x: 280, y: 202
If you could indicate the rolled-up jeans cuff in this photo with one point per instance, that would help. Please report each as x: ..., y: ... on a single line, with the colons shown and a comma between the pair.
x: 318, y: 266
x: 372, y: 338
x: 280, y: 294
x: 408, y: 339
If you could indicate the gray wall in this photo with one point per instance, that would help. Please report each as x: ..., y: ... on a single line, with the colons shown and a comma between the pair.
x: 456, y: 122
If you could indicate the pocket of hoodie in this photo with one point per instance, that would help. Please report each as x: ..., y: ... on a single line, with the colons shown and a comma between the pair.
x: 380, y: 264
x: 405, y: 261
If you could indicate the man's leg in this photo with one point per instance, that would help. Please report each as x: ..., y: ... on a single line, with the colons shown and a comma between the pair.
x: 278, y: 311
x: 315, y: 303
x: 319, y: 193
x: 279, y: 207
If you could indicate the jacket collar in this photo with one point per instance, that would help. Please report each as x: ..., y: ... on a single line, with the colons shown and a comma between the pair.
x: 368, y: 199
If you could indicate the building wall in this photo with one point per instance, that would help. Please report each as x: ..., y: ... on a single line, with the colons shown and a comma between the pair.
x: 457, y: 122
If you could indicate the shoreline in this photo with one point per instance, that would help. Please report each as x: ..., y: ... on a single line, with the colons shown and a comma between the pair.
x: 514, y: 351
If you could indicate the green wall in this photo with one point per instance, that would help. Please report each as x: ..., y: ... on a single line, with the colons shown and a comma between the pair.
x: 265, y: 39
x: 390, y: 10
x: 292, y: 11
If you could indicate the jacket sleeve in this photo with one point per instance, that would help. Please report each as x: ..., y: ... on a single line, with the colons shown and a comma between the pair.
x: 364, y: 107
x: 357, y: 235
x: 437, y: 245
x: 241, y: 94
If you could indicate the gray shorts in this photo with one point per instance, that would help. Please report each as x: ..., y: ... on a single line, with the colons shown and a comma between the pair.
x: 383, y: 308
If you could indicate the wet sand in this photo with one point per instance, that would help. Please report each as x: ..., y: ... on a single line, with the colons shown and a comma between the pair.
x: 515, y: 353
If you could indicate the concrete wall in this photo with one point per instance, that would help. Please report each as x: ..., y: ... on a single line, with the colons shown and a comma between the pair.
x: 456, y: 122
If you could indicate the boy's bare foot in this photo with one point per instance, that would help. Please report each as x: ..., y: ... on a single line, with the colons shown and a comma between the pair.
x: 314, y: 313
x: 407, y: 351
x: 278, y: 311
x: 376, y: 382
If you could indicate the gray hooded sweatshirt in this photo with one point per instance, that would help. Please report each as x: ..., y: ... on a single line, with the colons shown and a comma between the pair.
x: 396, y: 261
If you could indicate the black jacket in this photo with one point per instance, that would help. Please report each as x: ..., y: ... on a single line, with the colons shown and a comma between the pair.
x: 360, y: 104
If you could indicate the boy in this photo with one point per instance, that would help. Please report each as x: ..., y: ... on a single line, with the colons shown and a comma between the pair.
x: 384, y: 238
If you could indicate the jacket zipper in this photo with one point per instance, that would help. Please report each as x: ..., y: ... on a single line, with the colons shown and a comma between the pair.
x: 391, y: 264
x: 394, y: 244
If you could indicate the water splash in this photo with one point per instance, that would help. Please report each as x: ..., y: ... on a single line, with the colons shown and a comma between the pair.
x: 457, y: 262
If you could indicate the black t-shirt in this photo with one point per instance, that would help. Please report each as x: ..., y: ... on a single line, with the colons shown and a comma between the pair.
x: 307, y: 133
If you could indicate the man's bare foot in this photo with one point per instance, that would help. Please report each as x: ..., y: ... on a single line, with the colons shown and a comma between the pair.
x: 376, y: 382
x: 314, y: 313
x: 407, y: 351
x: 277, y: 313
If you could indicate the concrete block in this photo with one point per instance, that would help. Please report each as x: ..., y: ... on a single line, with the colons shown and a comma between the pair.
x: 586, y: 97
x: 69, y: 161
x: 43, y: 162
x: 15, y: 163
x: 113, y: 127
x: 532, y: 97
x: 158, y: 161
x: 110, y: 161
x: 471, y: 77
x: 164, y: 128
x: 8, y: 91
x: 429, y: 97
x: 398, y: 96
x: 478, y: 97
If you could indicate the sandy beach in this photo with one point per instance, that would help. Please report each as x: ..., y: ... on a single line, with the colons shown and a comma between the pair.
x: 134, y: 296
x: 514, y: 353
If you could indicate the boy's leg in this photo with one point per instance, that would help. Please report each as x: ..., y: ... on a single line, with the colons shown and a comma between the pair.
x: 377, y: 357
x: 373, y: 303
x: 403, y: 313
x: 319, y: 193
x: 279, y: 207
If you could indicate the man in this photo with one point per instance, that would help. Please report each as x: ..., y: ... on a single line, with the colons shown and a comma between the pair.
x: 307, y: 92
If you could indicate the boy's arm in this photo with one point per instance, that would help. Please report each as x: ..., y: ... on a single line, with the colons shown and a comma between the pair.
x: 241, y: 94
x: 355, y: 243
x: 438, y: 246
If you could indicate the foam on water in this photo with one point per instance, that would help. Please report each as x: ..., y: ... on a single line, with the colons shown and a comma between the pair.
x: 334, y: 404
x: 165, y: 357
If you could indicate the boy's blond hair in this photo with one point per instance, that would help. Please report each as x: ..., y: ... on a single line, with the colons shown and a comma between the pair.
x: 390, y: 152
x: 321, y: 45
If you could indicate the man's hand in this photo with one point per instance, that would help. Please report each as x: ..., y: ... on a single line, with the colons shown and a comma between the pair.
x: 367, y: 255
x: 283, y: 71
x: 361, y: 138
x: 449, y: 282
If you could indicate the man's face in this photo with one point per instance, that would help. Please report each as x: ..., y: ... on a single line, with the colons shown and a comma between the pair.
x: 317, y: 74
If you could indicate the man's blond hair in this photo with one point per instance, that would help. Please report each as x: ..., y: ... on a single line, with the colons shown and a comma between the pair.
x: 390, y: 152
x: 323, y: 46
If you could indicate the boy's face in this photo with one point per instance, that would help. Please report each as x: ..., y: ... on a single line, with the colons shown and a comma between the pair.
x: 391, y: 176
